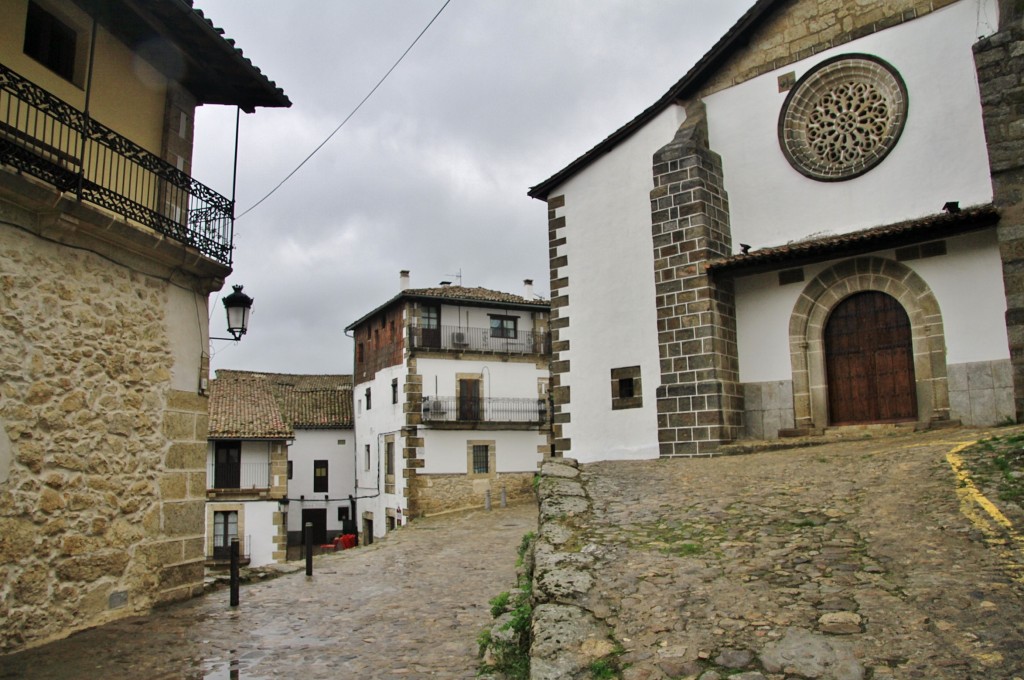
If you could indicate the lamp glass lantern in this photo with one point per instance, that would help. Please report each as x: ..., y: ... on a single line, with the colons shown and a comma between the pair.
x: 238, y: 306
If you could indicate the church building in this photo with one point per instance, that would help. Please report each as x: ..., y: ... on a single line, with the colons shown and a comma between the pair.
x: 820, y: 224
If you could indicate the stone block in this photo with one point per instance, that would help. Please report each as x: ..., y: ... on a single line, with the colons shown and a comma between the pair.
x: 182, y: 456
x: 957, y: 376
x: 92, y: 566
x: 178, y: 400
x: 1002, y: 373
x: 983, y: 407
x: 180, y: 575
x: 173, y: 485
x: 180, y: 426
x: 960, y: 406
x: 184, y: 518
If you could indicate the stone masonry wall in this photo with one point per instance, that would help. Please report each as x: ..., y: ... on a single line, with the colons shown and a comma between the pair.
x: 807, y: 27
x: 444, y: 493
x: 101, y: 511
x: 1000, y: 63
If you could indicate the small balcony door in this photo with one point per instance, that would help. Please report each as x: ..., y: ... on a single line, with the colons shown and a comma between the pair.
x: 225, y: 529
x: 227, y: 470
x: 430, y: 318
x: 469, y: 399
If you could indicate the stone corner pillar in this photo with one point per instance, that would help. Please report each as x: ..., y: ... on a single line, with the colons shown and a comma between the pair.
x: 999, y: 60
x: 700, y: 403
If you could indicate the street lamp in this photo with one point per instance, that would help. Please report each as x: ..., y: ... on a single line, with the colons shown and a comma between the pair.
x: 237, y: 305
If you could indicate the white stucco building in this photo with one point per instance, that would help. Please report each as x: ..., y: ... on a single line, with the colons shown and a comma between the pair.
x: 451, y: 401
x: 806, y: 230
x: 280, y: 454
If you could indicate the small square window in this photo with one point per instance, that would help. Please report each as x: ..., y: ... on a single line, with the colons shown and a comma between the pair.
x: 627, y: 390
x: 389, y: 458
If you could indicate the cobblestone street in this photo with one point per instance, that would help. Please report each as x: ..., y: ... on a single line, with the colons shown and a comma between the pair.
x: 847, y: 561
x: 409, y: 606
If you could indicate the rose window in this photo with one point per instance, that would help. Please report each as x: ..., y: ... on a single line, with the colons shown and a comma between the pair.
x: 843, y: 117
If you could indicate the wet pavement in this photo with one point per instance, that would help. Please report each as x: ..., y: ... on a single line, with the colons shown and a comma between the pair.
x: 409, y: 606
x: 852, y: 560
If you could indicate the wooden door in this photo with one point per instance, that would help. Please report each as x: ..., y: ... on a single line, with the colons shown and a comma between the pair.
x: 469, y: 399
x: 869, y: 361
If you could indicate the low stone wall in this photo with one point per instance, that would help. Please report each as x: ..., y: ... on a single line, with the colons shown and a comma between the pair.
x: 444, y: 493
x: 567, y: 636
x: 768, y: 408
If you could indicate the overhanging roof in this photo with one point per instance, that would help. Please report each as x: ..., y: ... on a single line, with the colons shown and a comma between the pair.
x: 214, y: 70
x: 734, y: 39
x: 459, y: 295
x: 930, y: 228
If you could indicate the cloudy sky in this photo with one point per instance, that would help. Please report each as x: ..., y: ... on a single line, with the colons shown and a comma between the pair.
x: 432, y: 172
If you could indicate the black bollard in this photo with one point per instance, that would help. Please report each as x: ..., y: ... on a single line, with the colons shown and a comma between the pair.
x: 309, y: 548
x: 234, y: 572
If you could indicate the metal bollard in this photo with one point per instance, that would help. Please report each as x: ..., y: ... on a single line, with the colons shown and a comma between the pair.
x: 309, y: 548
x: 234, y: 572
x: 504, y: 498
x: 487, y: 500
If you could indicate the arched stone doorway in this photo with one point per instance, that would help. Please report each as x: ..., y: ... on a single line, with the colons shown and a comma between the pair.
x: 869, y: 361
x: 810, y: 317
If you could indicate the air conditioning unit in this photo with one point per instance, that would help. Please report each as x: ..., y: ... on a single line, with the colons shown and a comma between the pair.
x: 459, y: 339
x: 433, y: 408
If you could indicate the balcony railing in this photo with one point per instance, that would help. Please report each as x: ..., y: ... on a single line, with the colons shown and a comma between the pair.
x: 471, y: 410
x: 44, y: 136
x: 464, y: 339
x: 240, y: 476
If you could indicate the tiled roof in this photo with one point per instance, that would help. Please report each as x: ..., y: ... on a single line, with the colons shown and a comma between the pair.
x: 928, y: 228
x: 250, y: 405
x: 473, y: 295
x: 483, y: 297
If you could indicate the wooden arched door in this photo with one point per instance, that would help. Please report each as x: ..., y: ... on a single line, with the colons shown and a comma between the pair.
x: 869, y: 361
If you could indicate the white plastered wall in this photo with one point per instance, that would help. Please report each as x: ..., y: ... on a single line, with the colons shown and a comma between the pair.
x: 371, y: 427
x: 515, y: 450
x: 311, y: 445
x: 941, y: 156
x: 611, y: 310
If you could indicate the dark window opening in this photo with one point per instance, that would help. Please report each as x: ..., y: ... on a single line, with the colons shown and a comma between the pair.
x: 481, y: 459
x: 319, y: 476
x: 289, y: 469
x: 367, y: 398
x: 50, y: 41
x: 389, y: 458
x: 626, y: 388
x: 394, y: 391
x: 504, y: 326
x: 342, y: 514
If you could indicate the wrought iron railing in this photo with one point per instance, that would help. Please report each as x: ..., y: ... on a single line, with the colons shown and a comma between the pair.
x: 241, y: 476
x: 44, y: 136
x: 484, y: 410
x: 465, y: 339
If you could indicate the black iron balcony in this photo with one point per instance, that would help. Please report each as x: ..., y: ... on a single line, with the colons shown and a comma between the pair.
x: 45, y: 137
x: 487, y: 340
x: 239, y: 477
x: 470, y: 411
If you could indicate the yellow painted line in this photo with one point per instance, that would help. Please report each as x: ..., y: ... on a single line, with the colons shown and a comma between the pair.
x: 970, y: 498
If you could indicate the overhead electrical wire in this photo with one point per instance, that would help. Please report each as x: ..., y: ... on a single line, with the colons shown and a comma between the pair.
x: 353, y: 112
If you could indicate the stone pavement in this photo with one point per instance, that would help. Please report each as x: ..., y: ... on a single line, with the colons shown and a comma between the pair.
x: 846, y: 561
x: 409, y: 606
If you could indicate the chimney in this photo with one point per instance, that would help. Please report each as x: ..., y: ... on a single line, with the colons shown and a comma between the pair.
x: 528, y: 285
x: 403, y: 279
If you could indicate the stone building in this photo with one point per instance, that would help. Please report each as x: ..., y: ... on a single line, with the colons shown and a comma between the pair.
x: 451, y: 399
x: 819, y: 224
x: 108, y: 253
x: 281, y: 453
